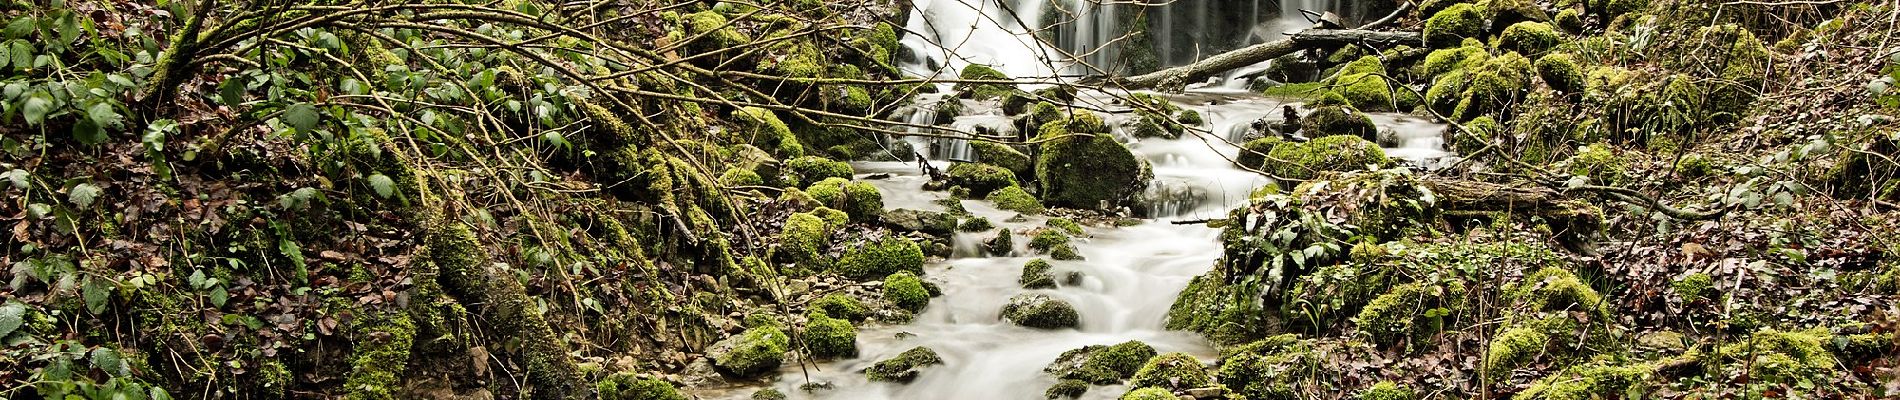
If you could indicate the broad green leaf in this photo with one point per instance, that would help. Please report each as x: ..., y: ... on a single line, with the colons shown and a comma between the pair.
x: 89, y: 133
x: 38, y: 210
x: 36, y: 107
x: 301, y: 116
x: 96, y: 294
x: 18, y: 177
x: 22, y: 54
x: 231, y: 92
x: 384, y: 186
x: 22, y: 26
x: 68, y: 28
x: 121, y: 80
x: 107, y: 360
x: 84, y: 195
x: 197, y: 279
x: 219, y: 296
x: 12, y: 315
x: 103, y: 115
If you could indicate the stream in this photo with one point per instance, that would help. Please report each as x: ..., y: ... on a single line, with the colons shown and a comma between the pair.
x: 1131, y: 274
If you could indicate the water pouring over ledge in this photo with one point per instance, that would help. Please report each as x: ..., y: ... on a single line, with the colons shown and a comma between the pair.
x: 1130, y: 275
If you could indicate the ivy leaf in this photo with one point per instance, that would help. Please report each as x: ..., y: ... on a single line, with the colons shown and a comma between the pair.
x: 84, y: 195
x: 12, y: 316
x: 301, y: 116
x: 36, y: 107
x: 384, y: 186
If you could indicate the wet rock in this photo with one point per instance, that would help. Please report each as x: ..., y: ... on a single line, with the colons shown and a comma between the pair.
x: 1102, y: 365
x: 1036, y: 275
x: 701, y: 373
x: 981, y: 179
x: 758, y: 350
x: 1175, y: 371
x: 1001, y: 245
x: 1082, y: 166
x: 904, y: 367
x: 931, y: 222
x: 1040, y: 311
x: 1206, y: 392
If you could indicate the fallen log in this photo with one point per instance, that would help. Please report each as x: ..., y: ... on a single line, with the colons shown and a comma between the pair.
x: 1177, y: 77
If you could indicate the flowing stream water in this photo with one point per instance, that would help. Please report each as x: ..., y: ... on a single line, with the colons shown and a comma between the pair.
x: 1131, y: 274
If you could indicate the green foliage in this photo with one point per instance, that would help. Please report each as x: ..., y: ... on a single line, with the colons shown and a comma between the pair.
x: 906, y: 291
x: 627, y: 386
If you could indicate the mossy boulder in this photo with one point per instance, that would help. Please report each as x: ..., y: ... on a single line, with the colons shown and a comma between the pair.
x: 930, y: 222
x: 860, y: 200
x: 881, y: 258
x: 1014, y: 198
x: 1254, y: 153
x: 1482, y: 89
x: 1386, y: 390
x: 904, y: 367
x: 979, y: 178
x: 975, y: 224
x: 1084, y: 167
x: 1450, y: 26
x: 905, y: 290
x: 840, y: 305
x: 1037, y: 274
x: 1102, y: 365
x: 1476, y: 134
x: 1556, y: 338
x: 1599, y: 162
x: 1040, y: 311
x: 1531, y: 39
x: 1066, y: 389
x: 827, y: 336
x: 1554, y: 289
x: 757, y: 351
x: 1003, y: 155
x: 1066, y: 225
x: 1561, y: 73
x: 1693, y: 287
x: 1338, y: 120
x: 1511, y: 12
x: 626, y: 386
x: 1588, y: 382
x: 1332, y: 153
x: 807, y: 170
x: 713, y: 31
x: 1777, y: 356
x: 1410, y: 312
x: 1001, y: 245
x: 1149, y: 393
x: 1172, y: 371
x: 806, y: 237
x: 763, y: 129
x: 983, y: 91
x: 1270, y: 368
x: 1610, y: 9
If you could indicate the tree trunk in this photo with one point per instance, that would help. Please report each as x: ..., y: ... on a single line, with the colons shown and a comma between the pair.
x: 1308, y: 39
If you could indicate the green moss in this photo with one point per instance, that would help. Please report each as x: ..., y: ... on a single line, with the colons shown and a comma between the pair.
x: 1529, y: 38
x: 1037, y: 275
x: 1599, y: 162
x: 904, y: 367
x: 1117, y: 362
x: 1048, y: 239
x: 981, y: 179
x: 1442, y: 61
x: 1553, y: 289
x: 768, y: 394
x: 1367, y: 92
x: 1271, y: 368
x: 761, y: 128
x: 712, y: 32
x: 1386, y: 390
x: 1002, y: 155
x: 1331, y: 98
x: 983, y: 91
x: 1015, y: 199
x: 1254, y: 153
x: 975, y: 224
x: 1149, y: 393
x: 1569, y: 20
x: 626, y: 386
x: 1002, y: 244
x: 1190, y: 117
x: 1487, y: 88
x: 1066, y: 225
x: 1410, y: 313
x: 831, y: 216
x: 1561, y: 72
x: 805, y: 237
x: 1452, y: 25
x: 1066, y: 389
x: 1513, y: 348
x: 1294, y: 90
x: 1331, y: 153
x: 757, y: 351
x: 807, y: 170
x: 1479, y: 132
x: 1509, y: 12
x: 1087, y: 171
x: 466, y: 275
x: 829, y: 337
x: 842, y: 306
x: 1040, y: 311
x: 906, y: 291
x: 1174, y: 371
x: 1338, y: 120
x: 738, y: 177
x: 1775, y: 356
x: 1587, y: 382
x: 1695, y: 166
x: 860, y: 200
x: 1609, y: 9
x: 1694, y: 287
x: 377, y: 366
x: 882, y: 258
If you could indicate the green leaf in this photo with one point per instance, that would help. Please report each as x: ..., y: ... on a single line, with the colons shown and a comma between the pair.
x: 22, y: 54
x: 84, y: 195
x: 231, y: 92
x: 36, y: 108
x: 301, y: 116
x: 68, y: 28
x: 121, y: 80
x: 384, y: 186
x: 12, y: 316
x: 89, y: 133
x: 96, y: 294
x: 18, y: 177
x: 197, y: 279
x: 22, y: 26
x: 103, y: 115
x: 109, y: 361
x: 219, y: 296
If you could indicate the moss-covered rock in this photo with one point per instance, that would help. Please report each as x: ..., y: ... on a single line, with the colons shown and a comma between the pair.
x: 763, y: 129
x: 1559, y: 337
x: 840, y: 305
x: 1386, y: 390
x: 806, y: 237
x: 1599, y: 162
x: 1777, y: 356
x: 975, y: 224
x: 906, y: 291
x: 1451, y: 26
x: 1483, y: 89
x: 860, y: 200
x: 626, y: 386
x: 1553, y: 289
x: 1569, y: 20
x: 1001, y: 245
x: 1002, y: 155
x: 1332, y: 153
x: 1149, y: 393
x: 807, y: 170
x: 1037, y: 275
x: 1066, y: 389
x: 758, y: 350
x: 377, y: 366
x: 1102, y: 365
x: 1610, y: 9
x: 1477, y: 133
x: 983, y: 91
x: 1338, y: 120
x: 1013, y: 198
x: 981, y: 179
x: 1560, y: 71
x: 1172, y: 371
x: 1066, y: 225
x: 1587, y: 382
x: 1511, y: 12
x: 1693, y: 287
x: 1040, y: 311
x: 1271, y: 368
x: 904, y: 367
x: 886, y: 256
x: 713, y: 32
x: 1531, y: 39
x: 829, y: 337
x: 1410, y: 312
x: 1087, y: 171
x: 1254, y: 153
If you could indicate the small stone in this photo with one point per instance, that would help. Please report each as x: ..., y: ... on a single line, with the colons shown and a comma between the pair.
x: 1205, y: 393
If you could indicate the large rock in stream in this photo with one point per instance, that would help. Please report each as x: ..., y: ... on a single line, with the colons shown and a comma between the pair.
x: 758, y: 350
x: 904, y: 367
x: 1040, y: 311
x: 1082, y: 166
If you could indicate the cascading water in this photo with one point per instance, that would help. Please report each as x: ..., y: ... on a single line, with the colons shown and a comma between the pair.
x: 1130, y: 275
